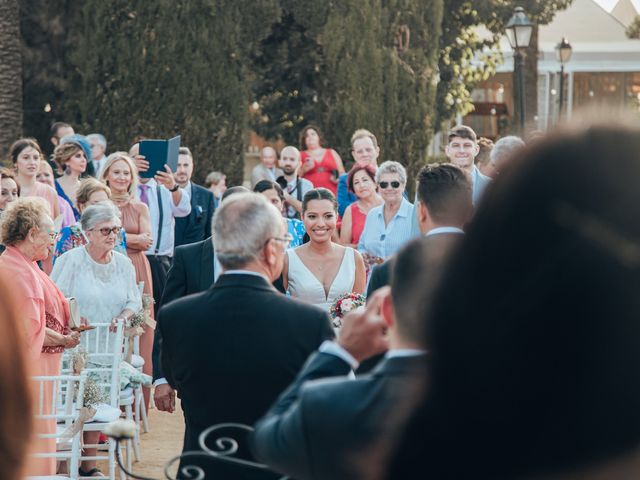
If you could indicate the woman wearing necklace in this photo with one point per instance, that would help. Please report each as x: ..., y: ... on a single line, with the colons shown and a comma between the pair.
x: 321, y: 166
x: 71, y: 159
x: 360, y: 181
x: 119, y: 173
x: 320, y: 271
x: 26, y: 155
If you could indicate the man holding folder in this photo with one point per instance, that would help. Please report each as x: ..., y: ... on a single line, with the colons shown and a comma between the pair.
x: 166, y: 202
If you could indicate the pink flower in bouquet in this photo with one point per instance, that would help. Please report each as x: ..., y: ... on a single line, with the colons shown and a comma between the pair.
x: 344, y: 304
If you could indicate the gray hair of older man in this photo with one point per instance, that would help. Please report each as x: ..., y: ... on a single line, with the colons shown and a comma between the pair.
x: 504, y: 148
x: 392, y: 167
x: 99, y: 138
x: 242, y: 224
x: 98, y: 213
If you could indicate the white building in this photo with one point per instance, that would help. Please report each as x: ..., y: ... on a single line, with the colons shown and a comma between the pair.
x: 604, y: 68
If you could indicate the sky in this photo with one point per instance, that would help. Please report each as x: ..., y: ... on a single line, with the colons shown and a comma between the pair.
x: 609, y: 4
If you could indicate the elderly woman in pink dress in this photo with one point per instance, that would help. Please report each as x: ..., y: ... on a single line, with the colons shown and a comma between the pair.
x: 27, y: 231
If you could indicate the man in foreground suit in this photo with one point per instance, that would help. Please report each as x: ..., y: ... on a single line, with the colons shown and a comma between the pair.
x: 339, y: 429
x: 443, y: 208
x: 193, y: 270
x: 196, y: 226
x: 230, y: 351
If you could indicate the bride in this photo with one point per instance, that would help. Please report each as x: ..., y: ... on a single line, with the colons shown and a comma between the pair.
x: 320, y: 271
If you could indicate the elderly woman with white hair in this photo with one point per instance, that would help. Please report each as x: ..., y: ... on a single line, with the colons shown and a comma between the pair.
x: 388, y: 226
x: 102, y: 281
x: 502, y: 153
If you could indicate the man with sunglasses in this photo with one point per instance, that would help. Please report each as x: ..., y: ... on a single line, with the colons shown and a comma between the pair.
x: 231, y: 350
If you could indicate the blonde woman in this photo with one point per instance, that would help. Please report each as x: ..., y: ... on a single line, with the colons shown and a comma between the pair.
x: 120, y: 174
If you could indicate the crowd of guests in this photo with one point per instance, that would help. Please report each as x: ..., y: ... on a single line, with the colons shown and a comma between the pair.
x: 498, y: 338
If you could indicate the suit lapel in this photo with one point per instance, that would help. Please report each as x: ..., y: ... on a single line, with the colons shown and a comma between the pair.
x: 206, y: 269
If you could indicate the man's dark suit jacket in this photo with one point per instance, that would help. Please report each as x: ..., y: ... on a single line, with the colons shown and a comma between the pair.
x: 331, y: 429
x: 191, y: 272
x: 197, y: 225
x: 231, y: 350
x: 381, y: 274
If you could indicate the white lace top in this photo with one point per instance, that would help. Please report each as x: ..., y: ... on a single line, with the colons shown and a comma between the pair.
x: 304, y: 285
x: 101, y: 290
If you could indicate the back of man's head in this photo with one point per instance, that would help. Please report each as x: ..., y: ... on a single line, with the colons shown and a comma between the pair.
x: 241, y: 226
x: 446, y: 192
x: 504, y: 150
x: 415, y: 273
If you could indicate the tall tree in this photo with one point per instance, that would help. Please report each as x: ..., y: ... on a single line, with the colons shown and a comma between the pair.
x: 49, y: 31
x: 163, y: 68
x: 10, y: 75
x: 372, y: 64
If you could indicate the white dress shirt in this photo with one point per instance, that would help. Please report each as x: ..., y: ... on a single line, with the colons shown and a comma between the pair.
x: 169, y: 212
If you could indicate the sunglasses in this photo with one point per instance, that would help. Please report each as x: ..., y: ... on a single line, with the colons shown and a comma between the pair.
x: 106, y: 230
x: 385, y: 185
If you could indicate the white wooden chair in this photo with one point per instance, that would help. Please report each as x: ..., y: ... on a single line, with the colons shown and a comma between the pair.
x: 60, y: 398
x: 104, y: 354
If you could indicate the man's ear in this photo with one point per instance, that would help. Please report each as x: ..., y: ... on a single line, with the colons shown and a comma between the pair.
x: 423, y: 217
x: 387, y: 311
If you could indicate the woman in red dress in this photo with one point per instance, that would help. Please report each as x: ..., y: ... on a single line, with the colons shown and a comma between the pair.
x: 361, y: 181
x: 321, y: 166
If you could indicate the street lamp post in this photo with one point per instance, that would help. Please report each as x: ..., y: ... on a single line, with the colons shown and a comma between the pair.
x: 519, y: 31
x: 563, y: 53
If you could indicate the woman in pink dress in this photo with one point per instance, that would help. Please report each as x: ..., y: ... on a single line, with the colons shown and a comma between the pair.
x: 321, y: 166
x: 119, y: 173
x: 361, y: 181
x: 28, y: 233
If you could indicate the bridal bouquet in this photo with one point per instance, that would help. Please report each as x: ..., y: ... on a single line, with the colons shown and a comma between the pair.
x: 344, y: 304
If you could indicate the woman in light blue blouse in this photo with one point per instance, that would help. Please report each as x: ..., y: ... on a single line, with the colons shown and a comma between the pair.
x: 275, y: 195
x: 389, y: 226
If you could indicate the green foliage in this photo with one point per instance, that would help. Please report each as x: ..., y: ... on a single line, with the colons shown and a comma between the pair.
x: 163, y: 68
x: 633, y: 30
x: 348, y: 67
x: 48, y: 33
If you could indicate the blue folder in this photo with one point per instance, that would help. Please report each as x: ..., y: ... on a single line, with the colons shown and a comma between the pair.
x: 160, y: 153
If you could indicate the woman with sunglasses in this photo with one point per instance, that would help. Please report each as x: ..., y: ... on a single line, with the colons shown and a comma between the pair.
x: 90, y: 192
x: 102, y: 281
x: 388, y: 226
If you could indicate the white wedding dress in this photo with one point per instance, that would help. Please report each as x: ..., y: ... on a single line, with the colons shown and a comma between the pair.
x: 304, y: 285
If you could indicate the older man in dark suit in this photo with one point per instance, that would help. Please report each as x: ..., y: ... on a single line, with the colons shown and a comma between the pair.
x: 197, y: 225
x: 343, y: 429
x: 231, y: 350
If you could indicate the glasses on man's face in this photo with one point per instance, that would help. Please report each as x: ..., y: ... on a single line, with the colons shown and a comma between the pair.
x: 105, y: 231
x: 385, y: 185
x: 286, y: 240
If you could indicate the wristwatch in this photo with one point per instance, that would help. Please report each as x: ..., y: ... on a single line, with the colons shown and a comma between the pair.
x: 175, y: 188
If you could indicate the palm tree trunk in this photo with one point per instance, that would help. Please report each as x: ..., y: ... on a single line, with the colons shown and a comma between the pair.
x: 10, y: 75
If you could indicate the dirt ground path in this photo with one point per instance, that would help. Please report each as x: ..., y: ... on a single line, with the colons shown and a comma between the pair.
x: 163, y: 442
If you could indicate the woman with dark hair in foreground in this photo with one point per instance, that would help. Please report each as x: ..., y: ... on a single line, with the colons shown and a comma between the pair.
x: 534, y: 337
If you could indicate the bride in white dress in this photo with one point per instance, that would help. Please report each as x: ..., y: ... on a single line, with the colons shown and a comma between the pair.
x: 321, y: 270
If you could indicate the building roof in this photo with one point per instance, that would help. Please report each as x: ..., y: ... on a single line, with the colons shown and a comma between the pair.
x: 598, y: 39
x: 625, y: 11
